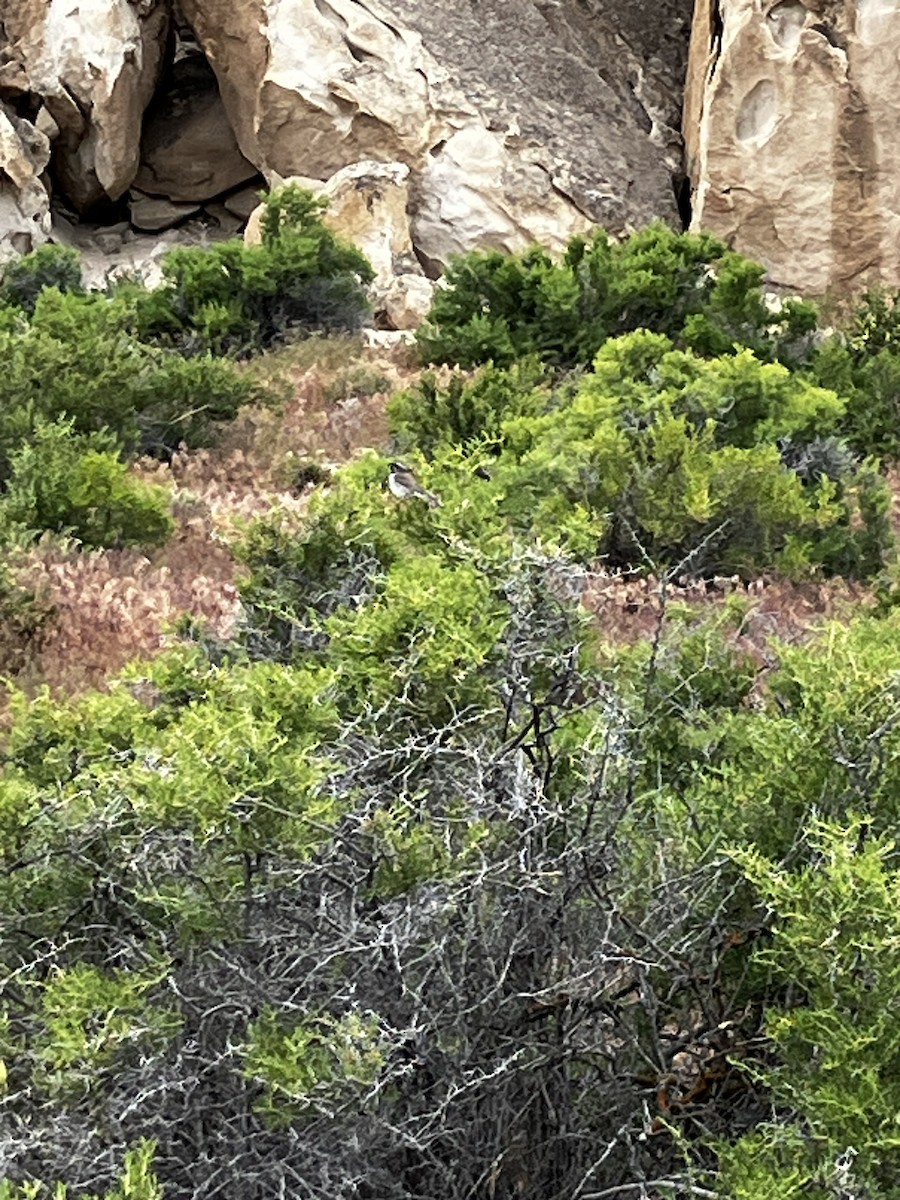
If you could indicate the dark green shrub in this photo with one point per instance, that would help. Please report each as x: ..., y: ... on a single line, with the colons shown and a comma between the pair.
x: 862, y: 363
x: 77, y: 359
x: 49, y: 266
x: 466, y: 411
x: 498, y: 308
x: 76, y: 484
x: 236, y: 299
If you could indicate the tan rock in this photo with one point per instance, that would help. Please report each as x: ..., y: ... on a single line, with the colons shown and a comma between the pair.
x: 95, y: 64
x: 313, y: 86
x: 155, y: 213
x: 188, y: 150
x: 405, y: 302
x: 572, y: 105
x: 24, y: 202
x: 472, y: 193
x: 790, y: 125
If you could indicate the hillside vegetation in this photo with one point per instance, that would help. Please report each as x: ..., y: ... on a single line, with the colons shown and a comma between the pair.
x: 525, y: 846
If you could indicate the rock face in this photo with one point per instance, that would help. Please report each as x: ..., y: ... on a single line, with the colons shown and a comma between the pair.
x: 94, y: 66
x: 188, y: 150
x: 24, y: 203
x: 791, y: 118
x: 518, y: 120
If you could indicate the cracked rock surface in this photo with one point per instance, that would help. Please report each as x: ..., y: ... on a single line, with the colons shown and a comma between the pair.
x: 519, y: 120
x: 791, y: 118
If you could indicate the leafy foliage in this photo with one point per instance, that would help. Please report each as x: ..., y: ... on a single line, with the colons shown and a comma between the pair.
x: 231, y: 298
x: 76, y: 360
x: 49, y: 266
x: 500, y: 308
x: 659, y: 456
x: 76, y: 484
x: 413, y: 886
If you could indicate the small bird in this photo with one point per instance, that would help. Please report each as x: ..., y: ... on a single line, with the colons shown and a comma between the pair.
x: 403, y: 484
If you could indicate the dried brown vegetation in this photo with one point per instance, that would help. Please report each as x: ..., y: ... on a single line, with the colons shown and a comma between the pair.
x: 328, y: 399
x: 107, y: 607
x: 629, y: 609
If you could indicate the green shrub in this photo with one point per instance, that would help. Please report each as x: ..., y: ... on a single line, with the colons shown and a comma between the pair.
x: 49, y: 266
x: 837, y: 924
x: 76, y: 484
x: 498, y: 308
x: 663, y: 457
x: 861, y: 361
x: 466, y: 411
x: 76, y: 359
x: 236, y: 299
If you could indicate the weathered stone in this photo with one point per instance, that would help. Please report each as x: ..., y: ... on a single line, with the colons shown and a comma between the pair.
x: 472, y: 193
x: 405, y: 302
x: 228, y: 223
x: 367, y: 205
x: 575, y: 104
x: 188, y: 150
x: 790, y: 123
x: 24, y: 202
x: 242, y: 202
x: 95, y: 65
x: 155, y: 213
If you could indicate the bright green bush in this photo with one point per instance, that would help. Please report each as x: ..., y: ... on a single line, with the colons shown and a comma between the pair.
x: 49, y: 266
x: 836, y: 929
x: 466, y: 411
x: 76, y: 484
x: 426, y: 635
x: 664, y: 457
x: 498, y: 308
x: 76, y: 359
x: 236, y: 299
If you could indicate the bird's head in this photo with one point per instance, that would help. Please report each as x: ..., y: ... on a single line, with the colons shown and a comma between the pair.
x: 399, y: 466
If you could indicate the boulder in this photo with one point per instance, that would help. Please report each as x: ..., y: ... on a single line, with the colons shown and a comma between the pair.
x: 519, y: 119
x: 188, y: 150
x: 790, y: 126
x: 24, y: 202
x: 242, y: 202
x: 405, y: 302
x: 95, y: 65
x: 472, y: 193
x: 228, y: 224
x: 155, y: 213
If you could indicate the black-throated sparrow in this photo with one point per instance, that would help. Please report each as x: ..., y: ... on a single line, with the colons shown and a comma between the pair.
x: 404, y: 485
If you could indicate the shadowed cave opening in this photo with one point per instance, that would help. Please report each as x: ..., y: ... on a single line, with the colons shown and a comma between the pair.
x: 193, y: 185
x: 681, y: 186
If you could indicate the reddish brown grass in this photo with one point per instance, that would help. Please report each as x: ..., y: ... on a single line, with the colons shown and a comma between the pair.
x: 109, y: 607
